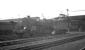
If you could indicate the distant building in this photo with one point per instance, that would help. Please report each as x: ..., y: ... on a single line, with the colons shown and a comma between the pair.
x: 76, y: 23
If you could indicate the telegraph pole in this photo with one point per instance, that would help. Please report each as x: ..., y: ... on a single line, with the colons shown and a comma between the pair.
x: 67, y: 12
x: 68, y: 24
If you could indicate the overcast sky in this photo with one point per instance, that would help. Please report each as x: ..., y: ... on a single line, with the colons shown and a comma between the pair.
x: 49, y: 8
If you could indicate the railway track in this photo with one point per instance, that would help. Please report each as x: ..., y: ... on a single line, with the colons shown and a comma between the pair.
x: 40, y: 44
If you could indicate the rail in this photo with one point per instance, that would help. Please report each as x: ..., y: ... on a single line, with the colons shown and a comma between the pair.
x: 45, y: 42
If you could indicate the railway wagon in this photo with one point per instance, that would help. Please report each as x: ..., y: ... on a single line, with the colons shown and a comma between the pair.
x: 6, y: 30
